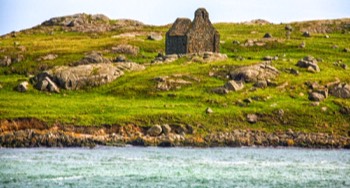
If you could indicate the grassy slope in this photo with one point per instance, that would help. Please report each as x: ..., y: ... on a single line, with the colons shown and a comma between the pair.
x: 133, y: 98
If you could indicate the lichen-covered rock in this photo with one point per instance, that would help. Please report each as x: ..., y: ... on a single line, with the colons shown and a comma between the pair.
x: 254, y: 73
x: 341, y: 91
x: 316, y: 96
x: 82, y: 76
x: 92, y: 58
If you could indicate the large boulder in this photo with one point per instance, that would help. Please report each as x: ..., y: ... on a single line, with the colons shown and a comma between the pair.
x: 155, y: 130
x: 254, y: 73
x: 155, y: 36
x: 82, y: 76
x: 341, y: 91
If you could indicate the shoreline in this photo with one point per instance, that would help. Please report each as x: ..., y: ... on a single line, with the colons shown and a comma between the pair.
x: 29, y: 133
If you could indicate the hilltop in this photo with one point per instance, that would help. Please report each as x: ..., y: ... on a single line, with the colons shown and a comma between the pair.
x: 300, y: 99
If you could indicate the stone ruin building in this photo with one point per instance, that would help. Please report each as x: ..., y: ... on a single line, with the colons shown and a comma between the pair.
x: 192, y: 37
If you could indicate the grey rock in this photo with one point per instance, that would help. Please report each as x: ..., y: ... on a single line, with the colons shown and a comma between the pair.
x: 236, y: 42
x: 155, y: 130
x: 261, y: 84
x: 209, y: 111
x: 233, y: 85
x: 295, y: 72
x: 166, y: 129
x: 155, y: 36
x: 23, y: 86
x: 253, y: 73
x: 252, y: 118
x: 346, y: 50
x: 306, y: 34
x: 341, y: 91
x: 268, y: 58
x: 82, y: 76
x: 120, y: 58
x: 267, y: 35
x: 315, y: 96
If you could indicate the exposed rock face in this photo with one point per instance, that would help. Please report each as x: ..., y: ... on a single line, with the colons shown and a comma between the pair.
x: 252, y: 118
x: 209, y: 111
x: 341, y: 91
x: 254, y: 73
x: 92, y: 70
x: 316, y: 96
x: 310, y: 63
x: 92, y: 58
x: 34, y: 133
x: 193, y: 37
x: 90, y: 23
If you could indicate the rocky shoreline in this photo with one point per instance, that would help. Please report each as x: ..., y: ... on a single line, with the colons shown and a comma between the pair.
x: 26, y: 133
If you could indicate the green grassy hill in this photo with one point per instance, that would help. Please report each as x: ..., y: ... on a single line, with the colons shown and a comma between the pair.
x: 134, y: 98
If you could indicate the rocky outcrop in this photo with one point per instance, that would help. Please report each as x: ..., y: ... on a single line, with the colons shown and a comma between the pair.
x: 35, y: 133
x: 92, y: 70
x: 262, y: 71
x: 341, y: 91
x: 90, y: 23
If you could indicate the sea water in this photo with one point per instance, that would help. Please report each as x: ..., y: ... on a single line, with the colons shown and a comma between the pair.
x: 174, y: 167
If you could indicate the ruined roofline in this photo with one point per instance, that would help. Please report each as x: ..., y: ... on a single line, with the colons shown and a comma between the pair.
x: 180, y: 27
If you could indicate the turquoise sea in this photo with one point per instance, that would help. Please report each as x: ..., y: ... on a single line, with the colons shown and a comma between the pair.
x: 174, y: 167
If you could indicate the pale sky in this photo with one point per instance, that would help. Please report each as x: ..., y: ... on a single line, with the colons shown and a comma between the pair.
x: 21, y: 14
